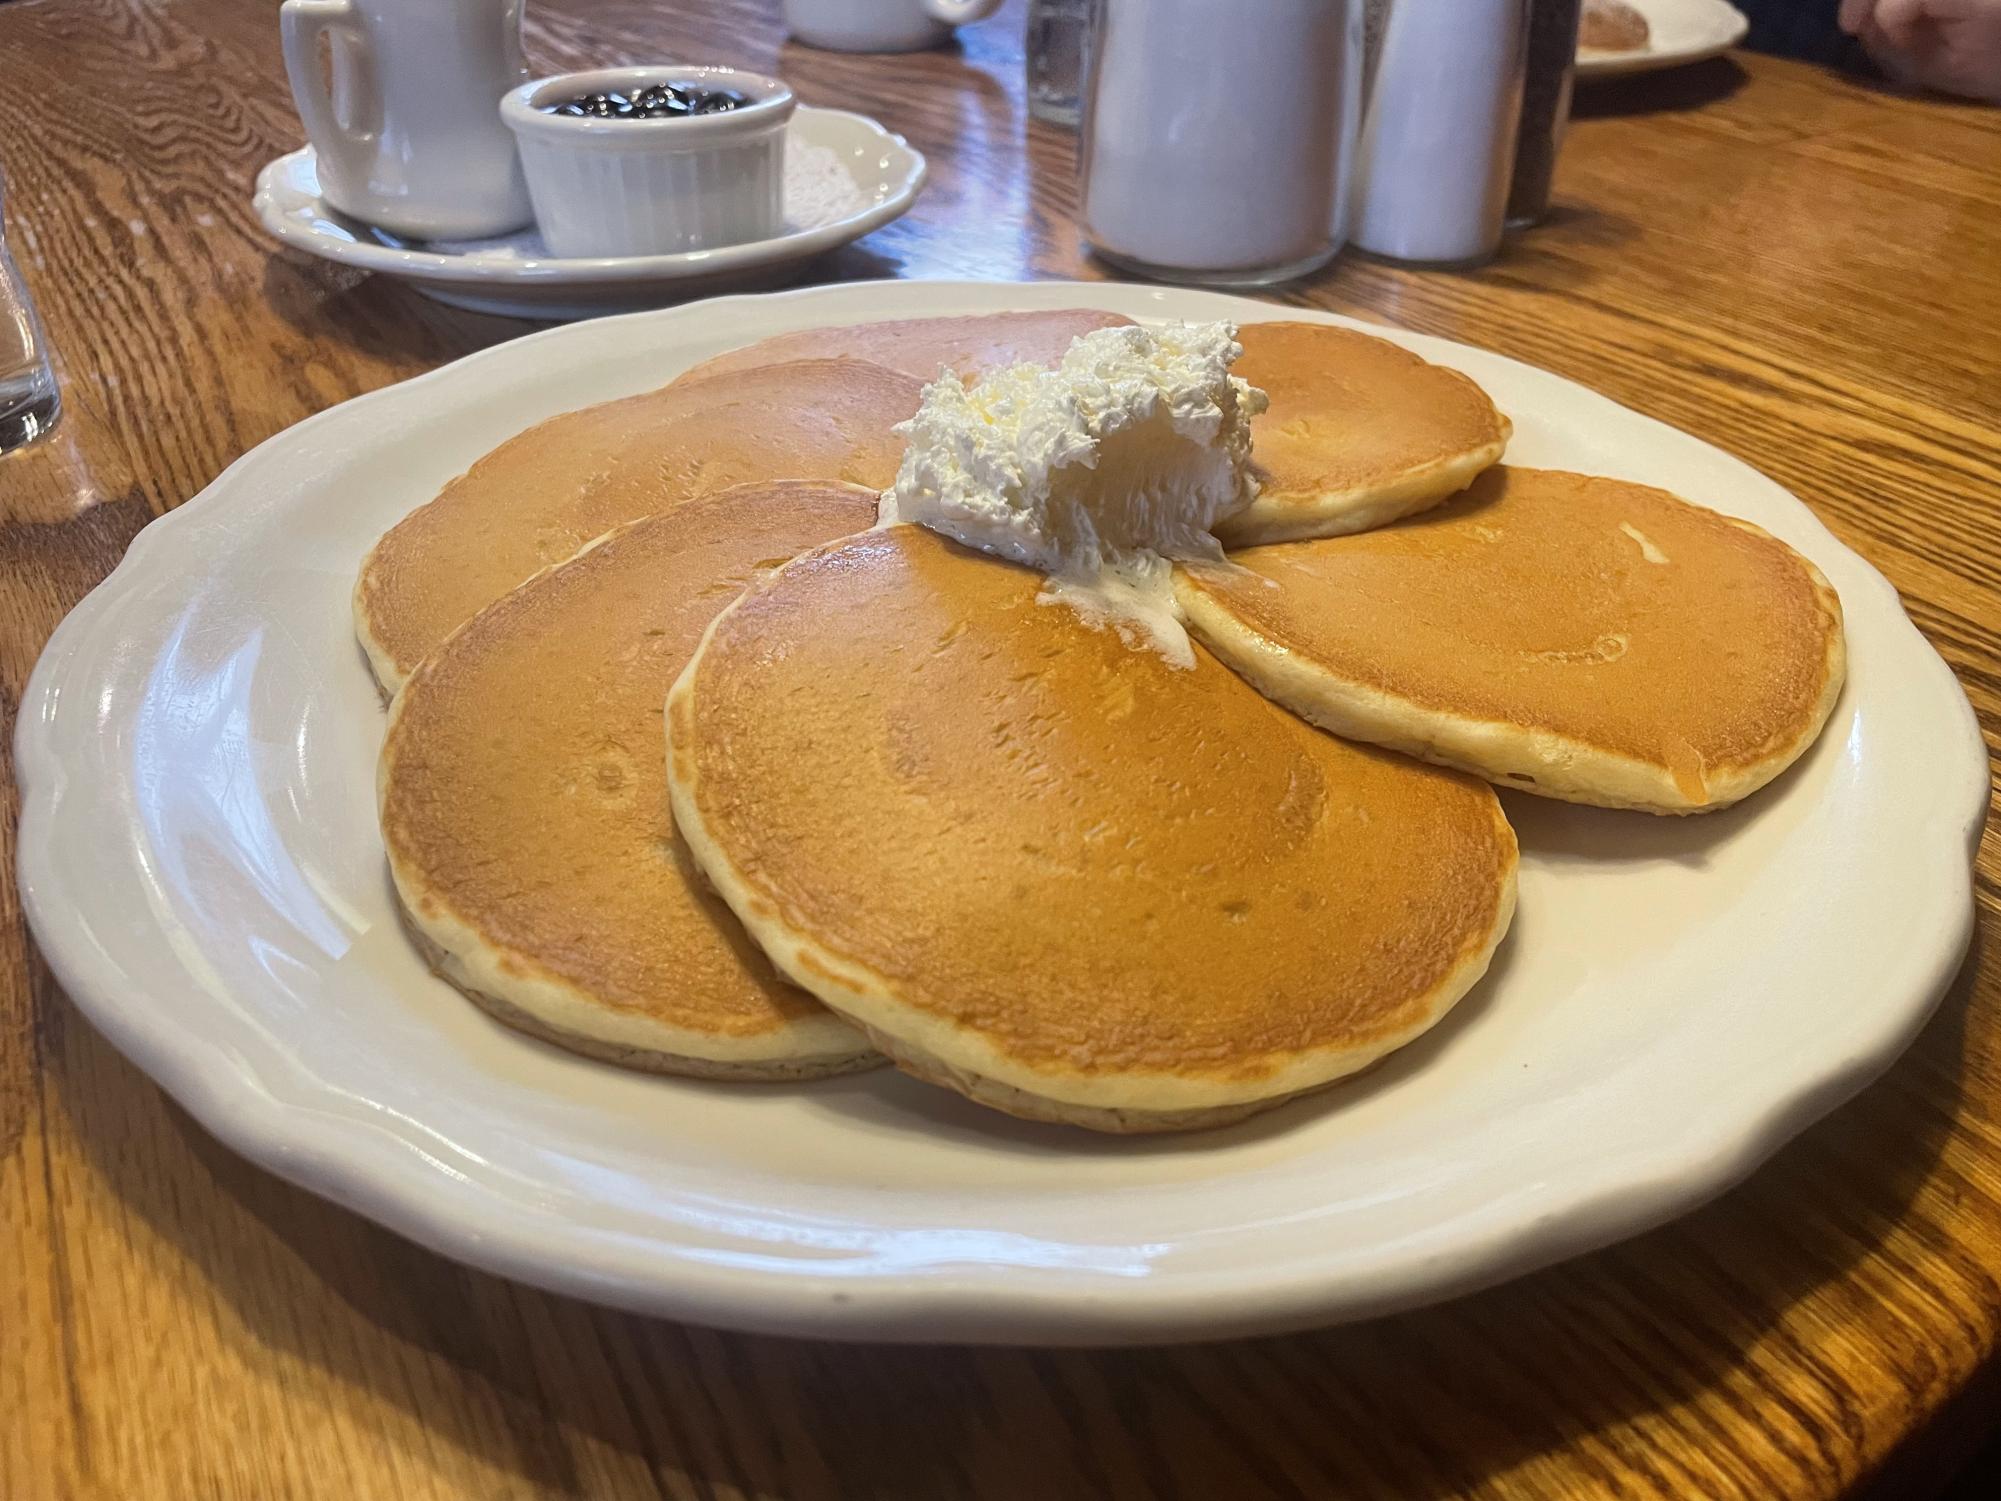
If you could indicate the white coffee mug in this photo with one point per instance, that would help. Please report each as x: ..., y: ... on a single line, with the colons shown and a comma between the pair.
x: 881, y: 25
x: 410, y: 135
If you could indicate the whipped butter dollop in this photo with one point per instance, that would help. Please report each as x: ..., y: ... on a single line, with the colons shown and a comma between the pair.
x: 1098, y: 473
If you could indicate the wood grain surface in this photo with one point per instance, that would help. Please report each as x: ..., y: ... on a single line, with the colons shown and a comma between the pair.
x: 1799, y: 268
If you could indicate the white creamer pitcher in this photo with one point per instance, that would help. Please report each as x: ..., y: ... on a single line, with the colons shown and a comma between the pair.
x: 409, y: 137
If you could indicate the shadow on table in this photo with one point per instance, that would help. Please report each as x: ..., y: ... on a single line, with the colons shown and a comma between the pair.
x: 389, y: 319
x: 378, y: 315
x: 1429, y: 1403
x: 1668, y: 90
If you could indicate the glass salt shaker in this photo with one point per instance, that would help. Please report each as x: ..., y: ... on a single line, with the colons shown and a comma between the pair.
x: 1217, y: 141
x: 1438, y: 144
x: 29, y: 403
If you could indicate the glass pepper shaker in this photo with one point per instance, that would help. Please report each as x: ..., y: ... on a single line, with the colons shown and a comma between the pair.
x: 1552, y: 69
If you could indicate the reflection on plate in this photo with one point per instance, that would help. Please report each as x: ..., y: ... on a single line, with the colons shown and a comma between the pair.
x: 201, y: 864
x: 845, y: 177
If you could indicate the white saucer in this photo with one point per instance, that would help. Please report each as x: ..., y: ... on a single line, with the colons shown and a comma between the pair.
x: 200, y: 861
x: 517, y: 277
x: 1680, y: 31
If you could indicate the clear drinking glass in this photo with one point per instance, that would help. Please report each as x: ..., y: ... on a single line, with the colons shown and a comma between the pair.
x: 29, y: 404
x: 1058, y: 33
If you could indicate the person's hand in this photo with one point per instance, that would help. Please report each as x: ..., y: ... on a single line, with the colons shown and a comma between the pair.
x: 1953, y: 46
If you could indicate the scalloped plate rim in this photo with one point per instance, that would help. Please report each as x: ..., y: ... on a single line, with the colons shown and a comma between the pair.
x: 276, y: 1112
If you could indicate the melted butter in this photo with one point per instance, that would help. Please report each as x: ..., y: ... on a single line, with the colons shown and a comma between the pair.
x: 1098, y: 473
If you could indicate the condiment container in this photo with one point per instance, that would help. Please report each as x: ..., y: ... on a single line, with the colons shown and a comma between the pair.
x: 652, y: 187
x: 1438, y: 140
x: 1217, y: 140
x: 401, y: 111
x: 1551, y: 70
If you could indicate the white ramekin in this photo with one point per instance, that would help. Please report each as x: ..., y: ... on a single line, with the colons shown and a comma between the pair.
x: 651, y: 187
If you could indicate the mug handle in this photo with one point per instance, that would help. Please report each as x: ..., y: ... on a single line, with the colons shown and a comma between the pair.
x: 301, y: 24
x: 960, y: 12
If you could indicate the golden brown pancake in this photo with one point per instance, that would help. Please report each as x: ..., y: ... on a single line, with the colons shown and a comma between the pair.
x: 543, y: 494
x: 1586, y: 639
x: 524, y: 803
x: 1360, y: 431
x: 1054, y: 872
x: 921, y: 347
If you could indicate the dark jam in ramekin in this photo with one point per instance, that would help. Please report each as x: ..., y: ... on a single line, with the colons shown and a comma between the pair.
x: 657, y: 101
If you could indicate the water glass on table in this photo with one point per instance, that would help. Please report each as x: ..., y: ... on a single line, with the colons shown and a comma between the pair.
x: 29, y: 403
x: 1059, y: 31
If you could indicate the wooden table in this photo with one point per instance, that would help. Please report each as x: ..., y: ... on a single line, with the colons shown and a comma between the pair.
x: 1798, y: 268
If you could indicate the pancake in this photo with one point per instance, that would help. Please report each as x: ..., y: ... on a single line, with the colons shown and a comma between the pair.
x: 1054, y: 872
x: 1586, y: 639
x: 921, y: 347
x: 524, y: 804
x: 1359, y: 432
x: 543, y: 494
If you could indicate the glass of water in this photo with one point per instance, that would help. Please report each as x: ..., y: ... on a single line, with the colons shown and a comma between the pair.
x: 1058, y: 33
x: 29, y: 404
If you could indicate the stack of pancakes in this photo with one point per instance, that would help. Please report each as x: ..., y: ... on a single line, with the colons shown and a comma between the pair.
x: 692, y: 768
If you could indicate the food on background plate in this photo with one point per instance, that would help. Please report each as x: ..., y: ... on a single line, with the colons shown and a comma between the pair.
x: 1057, y: 872
x: 545, y: 493
x: 1359, y: 431
x: 1611, y: 26
x: 1584, y: 639
x: 523, y: 801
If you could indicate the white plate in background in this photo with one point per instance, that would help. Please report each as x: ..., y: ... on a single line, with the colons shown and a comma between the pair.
x: 886, y: 170
x: 1679, y: 31
x: 200, y: 862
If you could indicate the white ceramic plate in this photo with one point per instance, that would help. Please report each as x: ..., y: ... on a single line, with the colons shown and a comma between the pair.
x: 1680, y: 31
x: 200, y: 861
x: 521, y: 279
